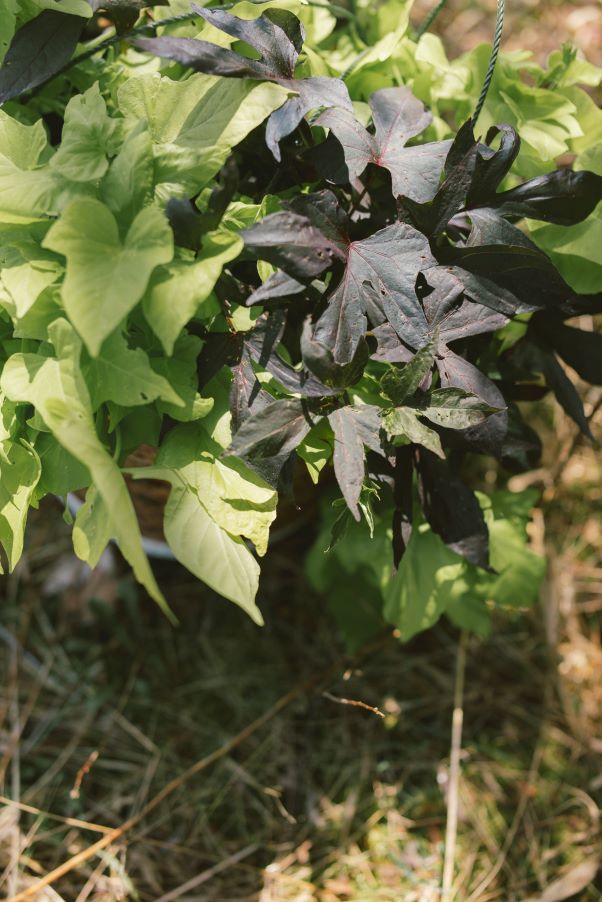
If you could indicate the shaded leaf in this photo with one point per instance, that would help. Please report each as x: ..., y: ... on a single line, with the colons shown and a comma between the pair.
x: 581, y: 350
x: 492, y: 166
x: 246, y: 394
x: 400, y: 384
x: 38, y: 50
x: 452, y: 510
x: 278, y: 285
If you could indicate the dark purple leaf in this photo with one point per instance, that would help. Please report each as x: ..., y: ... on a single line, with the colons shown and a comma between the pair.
x: 266, y: 440
x: 320, y: 361
x: 246, y: 394
x: 292, y: 243
x: 491, y: 166
x: 312, y: 94
x: 398, y: 116
x: 325, y: 212
x: 39, y: 49
x: 278, y: 285
x: 403, y: 499
x: 566, y: 393
x: 369, y: 425
x: 219, y: 349
x: 537, y: 356
x: 488, y: 437
x: 563, y: 197
x: 202, y: 56
x: 382, y: 268
x: 348, y: 457
x: 277, y: 36
x: 451, y: 314
x: 185, y: 222
x: 390, y: 348
x: 262, y: 344
x: 581, y: 350
x: 488, y: 227
x: 522, y: 447
x: 432, y: 217
x: 452, y: 509
x: 508, y: 279
x: 123, y: 13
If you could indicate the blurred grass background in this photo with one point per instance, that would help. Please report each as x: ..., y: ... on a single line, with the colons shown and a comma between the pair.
x: 103, y: 702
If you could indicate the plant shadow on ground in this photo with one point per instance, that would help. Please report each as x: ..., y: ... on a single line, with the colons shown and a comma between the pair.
x: 327, y: 801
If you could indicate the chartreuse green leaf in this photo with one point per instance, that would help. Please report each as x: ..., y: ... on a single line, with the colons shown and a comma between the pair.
x: 55, y: 387
x: 124, y: 376
x: 238, y: 500
x: 180, y: 371
x: 213, y: 504
x: 8, y: 418
x: 8, y: 22
x: 129, y: 183
x: 26, y: 272
x: 519, y: 570
x: 177, y: 291
x: 92, y: 529
x: 19, y: 474
x: 106, y: 276
x: 28, y: 190
x: 89, y: 137
x: 316, y: 448
x: 61, y: 472
x: 194, y: 124
x: 220, y: 560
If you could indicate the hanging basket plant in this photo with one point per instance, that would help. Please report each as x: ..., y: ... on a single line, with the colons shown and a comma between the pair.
x: 252, y: 253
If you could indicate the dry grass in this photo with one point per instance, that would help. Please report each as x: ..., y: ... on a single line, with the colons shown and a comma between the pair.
x: 104, y: 703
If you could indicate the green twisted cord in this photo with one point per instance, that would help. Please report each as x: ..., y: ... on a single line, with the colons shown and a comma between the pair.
x: 497, y: 40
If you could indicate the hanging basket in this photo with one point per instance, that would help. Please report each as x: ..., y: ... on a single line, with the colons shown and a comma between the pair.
x: 149, y: 497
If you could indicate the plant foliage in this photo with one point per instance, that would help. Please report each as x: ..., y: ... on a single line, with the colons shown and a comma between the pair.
x: 259, y: 241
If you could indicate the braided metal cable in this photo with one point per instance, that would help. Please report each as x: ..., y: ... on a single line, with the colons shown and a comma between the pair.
x: 497, y: 40
x: 123, y: 36
x: 429, y: 19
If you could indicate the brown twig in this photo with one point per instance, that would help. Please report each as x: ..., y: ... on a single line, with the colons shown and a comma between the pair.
x: 70, y: 821
x: 352, y: 701
x: 84, y: 769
